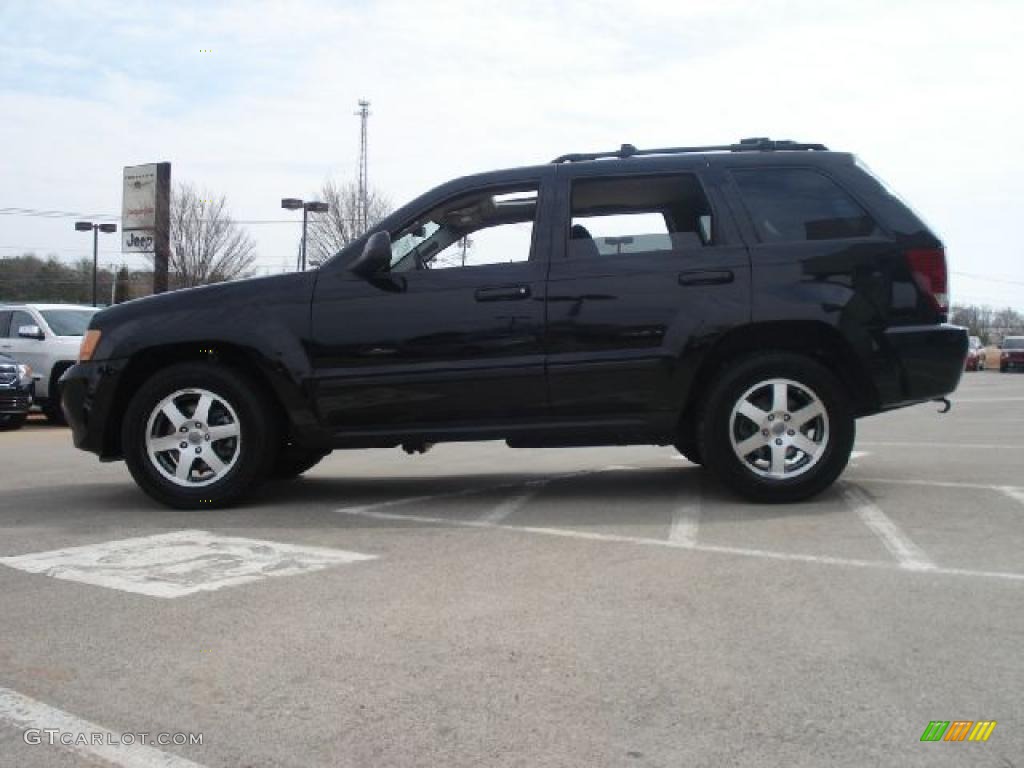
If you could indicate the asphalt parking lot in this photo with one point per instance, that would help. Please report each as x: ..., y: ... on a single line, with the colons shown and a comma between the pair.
x: 486, y: 606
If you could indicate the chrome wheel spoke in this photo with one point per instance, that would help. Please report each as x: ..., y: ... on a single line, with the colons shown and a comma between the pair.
x: 184, y: 468
x: 173, y: 414
x: 212, y: 460
x: 223, y: 432
x: 751, y: 444
x: 805, y: 444
x: 780, y: 396
x: 161, y: 444
x: 752, y: 412
x: 807, y: 413
x: 202, y: 411
x: 778, y: 466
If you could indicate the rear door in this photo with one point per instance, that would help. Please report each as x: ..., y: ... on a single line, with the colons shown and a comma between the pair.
x: 648, y: 271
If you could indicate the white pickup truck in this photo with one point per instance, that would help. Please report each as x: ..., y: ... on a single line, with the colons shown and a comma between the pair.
x: 45, y: 337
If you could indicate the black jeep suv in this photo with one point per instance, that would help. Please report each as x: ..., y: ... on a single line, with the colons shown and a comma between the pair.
x: 744, y: 303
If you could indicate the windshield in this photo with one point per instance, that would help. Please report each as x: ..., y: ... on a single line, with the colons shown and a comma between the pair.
x: 1016, y: 342
x: 68, y: 322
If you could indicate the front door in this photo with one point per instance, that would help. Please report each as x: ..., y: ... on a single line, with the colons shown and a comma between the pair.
x: 452, y: 336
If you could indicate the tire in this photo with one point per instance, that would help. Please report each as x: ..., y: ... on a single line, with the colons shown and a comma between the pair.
x: 53, y: 412
x: 12, y: 421
x: 292, y: 461
x: 237, y: 411
x: 747, y: 402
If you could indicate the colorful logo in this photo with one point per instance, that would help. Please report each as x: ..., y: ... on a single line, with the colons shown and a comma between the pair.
x: 958, y: 730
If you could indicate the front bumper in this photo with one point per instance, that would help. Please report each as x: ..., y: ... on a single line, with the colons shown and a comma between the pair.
x: 17, y: 400
x: 927, y: 362
x: 88, y: 398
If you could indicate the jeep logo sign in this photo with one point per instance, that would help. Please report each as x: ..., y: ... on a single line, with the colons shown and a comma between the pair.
x: 137, y: 241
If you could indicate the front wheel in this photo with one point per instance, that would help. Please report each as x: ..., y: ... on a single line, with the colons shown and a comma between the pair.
x: 778, y: 428
x: 198, y: 435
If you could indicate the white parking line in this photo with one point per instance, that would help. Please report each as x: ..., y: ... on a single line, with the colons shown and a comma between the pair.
x: 686, y: 518
x: 906, y: 552
x: 1017, y: 494
x: 711, y: 548
x: 939, y: 484
x: 511, y: 505
x: 25, y: 713
x: 951, y: 444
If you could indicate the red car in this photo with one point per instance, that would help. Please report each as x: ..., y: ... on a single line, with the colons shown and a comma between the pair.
x: 1012, y: 356
x: 975, y: 355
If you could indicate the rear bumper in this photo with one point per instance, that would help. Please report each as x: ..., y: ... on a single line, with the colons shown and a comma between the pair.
x: 925, y: 362
x: 88, y: 393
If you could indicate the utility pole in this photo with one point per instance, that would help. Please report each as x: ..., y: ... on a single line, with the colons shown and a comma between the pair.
x: 364, y: 214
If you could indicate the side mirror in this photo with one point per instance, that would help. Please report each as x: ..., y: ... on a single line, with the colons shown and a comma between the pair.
x: 30, y: 332
x: 376, y: 255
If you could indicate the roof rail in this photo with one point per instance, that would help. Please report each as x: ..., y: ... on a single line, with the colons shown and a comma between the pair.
x: 745, y: 145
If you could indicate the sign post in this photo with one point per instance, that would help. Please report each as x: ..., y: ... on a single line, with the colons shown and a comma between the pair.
x: 146, y: 216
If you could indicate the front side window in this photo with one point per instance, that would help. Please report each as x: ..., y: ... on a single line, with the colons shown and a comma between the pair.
x: 474, y: 230
x: 794, y: 204
x: 623, y: 216
x: 19, y: 320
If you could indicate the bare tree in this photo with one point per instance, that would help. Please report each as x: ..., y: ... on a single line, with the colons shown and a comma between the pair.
x: 207, y: 246
x: 327, y: 233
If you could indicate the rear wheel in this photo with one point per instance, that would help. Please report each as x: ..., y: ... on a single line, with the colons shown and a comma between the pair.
x: 777, y: 428
x: 12, y: 421
x: 198, y: 435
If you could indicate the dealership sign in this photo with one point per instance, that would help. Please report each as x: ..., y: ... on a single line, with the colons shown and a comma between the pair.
x: 144, y: 205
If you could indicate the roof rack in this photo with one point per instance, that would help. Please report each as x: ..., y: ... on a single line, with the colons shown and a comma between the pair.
x: 745, y: 145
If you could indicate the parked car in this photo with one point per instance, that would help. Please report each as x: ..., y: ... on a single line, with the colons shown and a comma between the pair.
x: 1011, y: 356
x: 975, y: 355
x: 745, y: 303
x: 17, y: 392
x: 46, y: 337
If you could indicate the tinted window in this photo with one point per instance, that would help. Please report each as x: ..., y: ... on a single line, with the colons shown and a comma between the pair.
x: 616, y: 217
x: 788, y: 204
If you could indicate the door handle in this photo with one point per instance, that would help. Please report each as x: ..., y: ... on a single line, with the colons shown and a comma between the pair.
x: 503, y: 293
x: 706, y: 277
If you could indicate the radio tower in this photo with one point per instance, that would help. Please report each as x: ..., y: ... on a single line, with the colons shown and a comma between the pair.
x: 364, y: 213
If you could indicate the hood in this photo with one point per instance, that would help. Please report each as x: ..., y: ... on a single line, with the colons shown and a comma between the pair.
x: 219, y: 295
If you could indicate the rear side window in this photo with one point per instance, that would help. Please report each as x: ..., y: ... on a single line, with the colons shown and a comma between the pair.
x: 792, y: 204
x: 629, y: 215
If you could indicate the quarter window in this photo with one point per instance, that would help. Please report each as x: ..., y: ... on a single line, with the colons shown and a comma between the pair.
x: 623, y: 216
x: 792, y: 204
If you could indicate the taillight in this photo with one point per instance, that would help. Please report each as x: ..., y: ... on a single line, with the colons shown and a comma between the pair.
x: 928, y: 265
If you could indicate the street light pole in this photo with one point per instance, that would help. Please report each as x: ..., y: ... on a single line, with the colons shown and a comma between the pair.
x: 95, y: 261
x: 85, y: 226
x: 293, y: 204
x: 305, y: 221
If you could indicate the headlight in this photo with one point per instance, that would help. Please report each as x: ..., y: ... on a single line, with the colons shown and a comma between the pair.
x: 24, y: 371
x: 89, y: 343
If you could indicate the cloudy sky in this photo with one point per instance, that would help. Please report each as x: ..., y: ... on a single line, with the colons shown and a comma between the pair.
x: 927, y: 93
